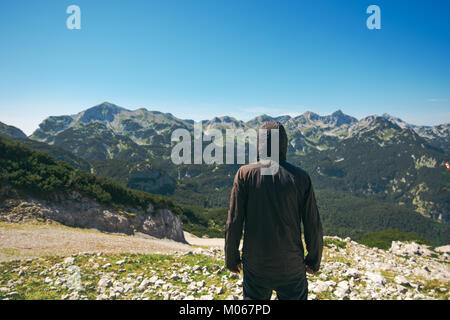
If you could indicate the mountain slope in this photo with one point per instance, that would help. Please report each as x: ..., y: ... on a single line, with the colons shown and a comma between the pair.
x: 11, y: 132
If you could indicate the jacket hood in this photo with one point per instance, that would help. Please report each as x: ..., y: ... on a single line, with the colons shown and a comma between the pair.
x: 282, y: 143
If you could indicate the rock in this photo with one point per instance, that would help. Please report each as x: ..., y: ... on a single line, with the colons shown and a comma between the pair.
x: 107, y: 265
x: 69, y: 261
x: 341, y: 293
x: 76, y: 210
x: 196, y: 268
x: 174, y: 276
x: 376, y: 278
x: 120, y: 262
x: 11, y: 294
x: 192, y: 287
x: 166, y: 286
x: 344, y: 285
x: 234, y: 275
x: 199, y: 251
x: 319, y: 286
x: 219, y: 290
x: 102, y: 297
x: 159, y: 282
x: 103, y: 283
x: 352, y: 273
x: 401, y: 280
x: 419, y: 296
x: 443, y: 249
x: 409, y: 249
x: 144, y: 284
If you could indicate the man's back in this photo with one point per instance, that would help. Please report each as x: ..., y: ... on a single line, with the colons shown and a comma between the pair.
x: 272, y: 209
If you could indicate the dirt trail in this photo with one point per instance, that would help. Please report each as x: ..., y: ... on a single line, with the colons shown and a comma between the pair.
x: 204, y: 242
x: 27, y: 240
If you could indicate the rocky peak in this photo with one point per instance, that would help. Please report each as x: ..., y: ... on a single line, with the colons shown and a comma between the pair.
x: 102, y: 112
x: 310, y: 115
x: 340, y: 118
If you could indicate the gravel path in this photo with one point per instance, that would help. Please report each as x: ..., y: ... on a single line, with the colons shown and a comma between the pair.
x: 24, y: 240
x: 204, y: 242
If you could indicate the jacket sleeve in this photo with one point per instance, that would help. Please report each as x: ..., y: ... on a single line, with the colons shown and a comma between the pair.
x: 235, y: 220
x: 312, y: 228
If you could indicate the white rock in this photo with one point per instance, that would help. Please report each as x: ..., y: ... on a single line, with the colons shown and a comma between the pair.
x: 159, y: 282
x: 192, y: 287
x: 409, y: 249
x: 376, y: 278
x: 352, y: 273
x: 144, y: 284
x: 344, y: 285
x: 69, y: 260
x: 234, y: 275
x: 219, y: 290
x: 401, y: 280
x: 319, y: 286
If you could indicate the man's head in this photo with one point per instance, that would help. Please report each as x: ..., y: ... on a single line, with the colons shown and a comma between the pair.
x: 282, y: 143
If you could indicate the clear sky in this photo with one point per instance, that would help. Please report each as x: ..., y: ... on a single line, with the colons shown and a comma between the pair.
x: 203, y: 58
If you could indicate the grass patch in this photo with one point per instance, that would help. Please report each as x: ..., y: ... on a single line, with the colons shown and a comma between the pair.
x: 329, y: 242
x: 383, y: 239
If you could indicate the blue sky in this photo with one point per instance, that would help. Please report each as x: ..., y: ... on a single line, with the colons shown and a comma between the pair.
x: 200, y: 59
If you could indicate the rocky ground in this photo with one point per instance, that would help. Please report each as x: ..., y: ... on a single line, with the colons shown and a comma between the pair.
x: 349, y: 271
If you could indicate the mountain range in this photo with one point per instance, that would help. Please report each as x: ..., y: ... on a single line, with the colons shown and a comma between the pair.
x: 377, y: 157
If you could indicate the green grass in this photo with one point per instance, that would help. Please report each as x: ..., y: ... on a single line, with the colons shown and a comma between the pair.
x: 383, y: 239
x: 31, y: 284
x: 338, y: 243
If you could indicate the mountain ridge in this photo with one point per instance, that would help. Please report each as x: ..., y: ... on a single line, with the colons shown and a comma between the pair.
x: 332, y: 148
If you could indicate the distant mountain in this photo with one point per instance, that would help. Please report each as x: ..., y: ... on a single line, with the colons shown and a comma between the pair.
x: 107, y: 131
x: 383, y: 161
x: 56, y: 152
x: 10, y: 131
x: 437, y: 135
x: 379, y: 157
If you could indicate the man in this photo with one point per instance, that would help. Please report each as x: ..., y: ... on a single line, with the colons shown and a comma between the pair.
x: 271, y: 209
